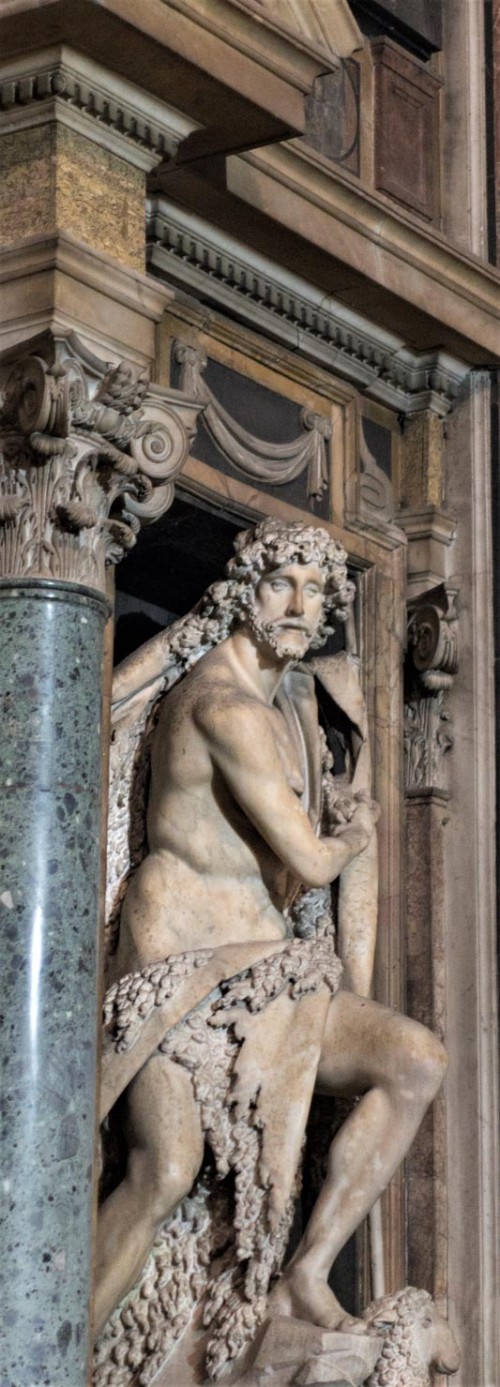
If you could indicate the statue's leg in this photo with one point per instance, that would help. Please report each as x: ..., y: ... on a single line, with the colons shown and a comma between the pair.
x: 165, y: 1151
x: 398, y: 1066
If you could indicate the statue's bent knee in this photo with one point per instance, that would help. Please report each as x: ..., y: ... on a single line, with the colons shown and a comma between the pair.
x: 425, y: 1063
x: 162, y: 1183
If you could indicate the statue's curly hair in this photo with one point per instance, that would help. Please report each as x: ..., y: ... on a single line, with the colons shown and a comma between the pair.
x: 271, y: 545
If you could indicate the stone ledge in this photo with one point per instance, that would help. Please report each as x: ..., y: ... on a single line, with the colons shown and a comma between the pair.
x: 197, y: 54
x: 55, y: 282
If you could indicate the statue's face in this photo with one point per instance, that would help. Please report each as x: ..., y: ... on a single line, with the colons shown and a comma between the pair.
x: 287, y: 608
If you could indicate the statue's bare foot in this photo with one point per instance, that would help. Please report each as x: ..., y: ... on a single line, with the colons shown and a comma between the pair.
x: 304, y: 1296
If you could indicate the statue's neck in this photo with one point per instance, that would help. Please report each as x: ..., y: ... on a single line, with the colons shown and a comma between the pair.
x: 256, y: 665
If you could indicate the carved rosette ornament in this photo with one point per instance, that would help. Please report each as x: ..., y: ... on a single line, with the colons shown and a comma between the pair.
x: 88, y: 452
x: 432, y: 662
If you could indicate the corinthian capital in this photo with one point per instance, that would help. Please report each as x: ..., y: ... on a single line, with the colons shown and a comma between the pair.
x: 88, y: 452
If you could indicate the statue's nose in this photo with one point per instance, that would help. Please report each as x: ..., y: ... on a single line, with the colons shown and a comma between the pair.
x: 296, y: 603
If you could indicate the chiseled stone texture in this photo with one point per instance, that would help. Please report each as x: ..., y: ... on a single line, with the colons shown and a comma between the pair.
x: 50, y: 683
x: 54, y: 179
x: 422, y: 476
x: 27, y: 185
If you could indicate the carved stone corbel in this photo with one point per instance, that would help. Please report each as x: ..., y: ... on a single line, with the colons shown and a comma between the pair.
x: 432, y: 662
x: 88, y: 451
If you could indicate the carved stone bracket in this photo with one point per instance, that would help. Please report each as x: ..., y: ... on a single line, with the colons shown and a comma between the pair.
x: 88, y: 452
x: 432, y: 663
x: 274, y: 463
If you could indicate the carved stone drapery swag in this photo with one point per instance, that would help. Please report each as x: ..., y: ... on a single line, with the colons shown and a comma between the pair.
x: 432, y: 663
x: 88, y: 451
x: 272, y: 463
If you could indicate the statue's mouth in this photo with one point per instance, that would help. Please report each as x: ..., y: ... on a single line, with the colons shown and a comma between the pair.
x: 291, y: 626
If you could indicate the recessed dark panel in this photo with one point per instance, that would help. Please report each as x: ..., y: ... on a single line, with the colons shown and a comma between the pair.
x: 332, y: 115
x: 416, y: 24
x: 379, y: 442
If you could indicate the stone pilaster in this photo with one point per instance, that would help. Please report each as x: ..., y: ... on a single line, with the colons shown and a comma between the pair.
x: 88, y: 452
x: 422, y: 479
x: 432, y: 663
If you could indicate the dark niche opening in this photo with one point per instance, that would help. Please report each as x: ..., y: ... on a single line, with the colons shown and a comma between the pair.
x: 173, y: 563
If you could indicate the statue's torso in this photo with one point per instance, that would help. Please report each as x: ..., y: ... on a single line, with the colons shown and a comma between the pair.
x: 209, y: 878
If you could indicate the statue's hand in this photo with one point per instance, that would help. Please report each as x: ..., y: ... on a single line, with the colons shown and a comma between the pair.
x: 365, y: 816
x: 343, y: 810
x: 361, y: 823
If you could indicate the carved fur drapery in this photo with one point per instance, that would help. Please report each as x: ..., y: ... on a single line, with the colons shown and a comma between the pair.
x: 273, y: 463
x: 432, y: 663
x: 88, y: 451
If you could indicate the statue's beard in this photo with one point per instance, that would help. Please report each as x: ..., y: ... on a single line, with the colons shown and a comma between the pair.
x: 273, y: 634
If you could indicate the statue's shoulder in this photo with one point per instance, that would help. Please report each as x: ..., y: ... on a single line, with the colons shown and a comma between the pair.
x: 216, y: 700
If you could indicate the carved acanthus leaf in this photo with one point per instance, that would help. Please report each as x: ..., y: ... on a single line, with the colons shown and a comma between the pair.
x: 86, y: 455
x: 273, y: 463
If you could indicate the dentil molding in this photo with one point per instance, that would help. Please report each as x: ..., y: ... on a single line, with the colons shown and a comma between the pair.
x: 186, y: 251
x: 61, y: 84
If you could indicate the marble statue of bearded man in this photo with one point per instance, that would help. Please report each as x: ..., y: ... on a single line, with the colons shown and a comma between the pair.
x: 228, y: 1003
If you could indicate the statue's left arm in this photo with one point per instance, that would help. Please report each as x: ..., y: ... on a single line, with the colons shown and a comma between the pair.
x: 358, y: 894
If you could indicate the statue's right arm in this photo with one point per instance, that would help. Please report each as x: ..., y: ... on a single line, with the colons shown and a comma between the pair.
x: 141, y: 668
x: 242, y: 747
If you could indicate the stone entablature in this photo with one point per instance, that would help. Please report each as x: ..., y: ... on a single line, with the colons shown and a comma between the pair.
x: 189, y: 252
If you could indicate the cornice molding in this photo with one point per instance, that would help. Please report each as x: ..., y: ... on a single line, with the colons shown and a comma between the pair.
x: 262, y: 32
x: 296, y: 187
x: 61, y: 84
x: 193, y: 52
x: 218, y: 269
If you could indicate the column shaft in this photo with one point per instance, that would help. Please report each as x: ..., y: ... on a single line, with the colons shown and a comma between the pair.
x: 50, y: 805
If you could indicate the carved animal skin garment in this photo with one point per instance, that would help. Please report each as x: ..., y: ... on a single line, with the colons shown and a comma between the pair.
x: 252, y: 1050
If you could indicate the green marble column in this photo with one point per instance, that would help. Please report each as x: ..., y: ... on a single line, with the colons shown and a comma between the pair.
x: 50, y: 807
x: 86, y: 456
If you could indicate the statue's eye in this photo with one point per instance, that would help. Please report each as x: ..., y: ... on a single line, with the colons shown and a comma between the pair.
x: 278, y: 585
